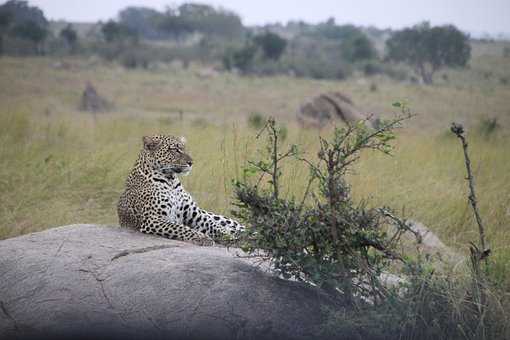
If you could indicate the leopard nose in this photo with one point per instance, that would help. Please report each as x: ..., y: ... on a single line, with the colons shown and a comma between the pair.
x: 190, y: 163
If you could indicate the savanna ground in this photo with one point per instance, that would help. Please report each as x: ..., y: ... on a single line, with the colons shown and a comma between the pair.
x: 61, y: 166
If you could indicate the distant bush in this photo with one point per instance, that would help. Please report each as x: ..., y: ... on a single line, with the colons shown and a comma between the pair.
x: 319, y: 68
x: 258, y: 55
x: 143, y: 54
x: 488, y: 126
x: 323, y: 51
x: 69, y: 36
x: 396, y: 73
x: 487, y: 74
x: 240, y: 58
x: 256, y: 121
x: 354, y: 44
x: 117, y: 32
x: 330, y: 30
x: 200, y: 122
x: 357, y: 48
x: 272, y: 45
x: 135, y: 58
x: 372, y: 68
x: 506, y: 52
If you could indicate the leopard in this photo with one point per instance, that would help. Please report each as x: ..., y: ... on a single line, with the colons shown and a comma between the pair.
x: 155, y: 202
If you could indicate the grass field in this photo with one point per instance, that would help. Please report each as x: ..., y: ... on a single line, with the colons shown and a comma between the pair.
x: 61, y: 166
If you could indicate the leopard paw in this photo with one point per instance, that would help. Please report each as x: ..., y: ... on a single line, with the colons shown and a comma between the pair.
x: 203, y: 242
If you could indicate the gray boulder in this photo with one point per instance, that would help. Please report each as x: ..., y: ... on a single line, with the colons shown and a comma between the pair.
x: 89, y: 281
x: 91, y: 101
x: 328, y: 107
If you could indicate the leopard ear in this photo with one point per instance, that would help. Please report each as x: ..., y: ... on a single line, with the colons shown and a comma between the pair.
x: 150, y: 143
x: 183, y: 140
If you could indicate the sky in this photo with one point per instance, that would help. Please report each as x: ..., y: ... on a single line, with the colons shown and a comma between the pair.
x: 473, y: 16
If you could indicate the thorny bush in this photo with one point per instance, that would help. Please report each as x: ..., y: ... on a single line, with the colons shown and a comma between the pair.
x: 324, y: 238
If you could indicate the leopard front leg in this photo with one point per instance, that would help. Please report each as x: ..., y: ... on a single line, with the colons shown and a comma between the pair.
x: 213, y: 225
x: 176, y: 232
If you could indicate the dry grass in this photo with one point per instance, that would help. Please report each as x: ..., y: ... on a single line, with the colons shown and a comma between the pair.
x: 61, y: 166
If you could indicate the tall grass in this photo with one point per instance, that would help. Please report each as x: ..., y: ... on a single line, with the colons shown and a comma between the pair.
x: 57, y: 171
x: 59, y: 166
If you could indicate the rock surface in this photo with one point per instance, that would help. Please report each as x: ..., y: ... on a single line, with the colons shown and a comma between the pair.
x: 89, y: 281
x: 91, y: 101
x: 326, y: 107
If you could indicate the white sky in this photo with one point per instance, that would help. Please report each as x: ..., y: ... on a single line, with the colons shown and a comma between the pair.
x: 475, y: 16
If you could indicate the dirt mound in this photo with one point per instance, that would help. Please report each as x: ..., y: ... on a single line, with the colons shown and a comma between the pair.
x: 326, y: 107
x: 91, y: 101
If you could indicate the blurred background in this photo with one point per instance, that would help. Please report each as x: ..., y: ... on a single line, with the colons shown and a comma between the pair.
x: 82, y: 82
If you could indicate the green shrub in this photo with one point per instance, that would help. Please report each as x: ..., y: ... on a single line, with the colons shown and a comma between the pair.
x: 342, y: 247
x: 239, y: 58
x: 357, y: 48
x: 318, y: 68
x: 428, y: 306
x: 506, y: 52
x: 335, y: 243
x: 488, y: 126
x: 200, y: 122
x: 132, y: 59
x: 372, y: 68
x: 272, y: 45
x: 256, y: 121
x: 15, y: 127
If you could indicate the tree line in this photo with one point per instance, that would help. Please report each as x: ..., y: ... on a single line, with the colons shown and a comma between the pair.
x: 325, y: 50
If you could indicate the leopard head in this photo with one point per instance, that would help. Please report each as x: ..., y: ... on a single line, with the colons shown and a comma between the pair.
x: 166, y: 154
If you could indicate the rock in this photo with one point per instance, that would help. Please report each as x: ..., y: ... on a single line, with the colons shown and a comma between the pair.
x: 89, y: 281
x: 432, y: 245
x: 326, y: 107
x: 61, y: 65
x: 206, y: 73
x: 91, y: 101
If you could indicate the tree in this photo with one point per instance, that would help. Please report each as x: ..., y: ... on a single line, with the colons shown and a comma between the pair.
x: 22, y: 21
x: 354, y: 43
x: 5, y: 19
x: 205, y: 19
x: 272, y: 45
x: 69, y: 35
x: 330, y: 30
x: 142, y: 20
x: 113, y: 31
x: 358, y: 47
x: 31, y: 31
x: 428, y: 49
x: 20, y: 12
